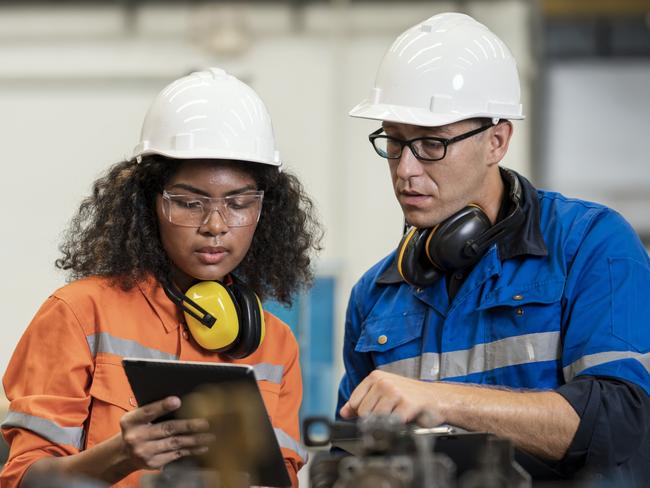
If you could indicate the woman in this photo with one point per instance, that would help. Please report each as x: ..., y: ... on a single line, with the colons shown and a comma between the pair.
x: 202, y: 199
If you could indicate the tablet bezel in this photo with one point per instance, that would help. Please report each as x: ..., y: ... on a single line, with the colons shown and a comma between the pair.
x: 154, y: 379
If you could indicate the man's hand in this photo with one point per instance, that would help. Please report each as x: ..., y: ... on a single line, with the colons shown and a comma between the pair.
x: 151, y: 446
x: 387, y: 393
x: 541, y: 422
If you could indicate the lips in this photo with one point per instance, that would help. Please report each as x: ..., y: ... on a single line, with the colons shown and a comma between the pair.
x: 413, y: 198
x: 211, y: 254
x: 211, y: 249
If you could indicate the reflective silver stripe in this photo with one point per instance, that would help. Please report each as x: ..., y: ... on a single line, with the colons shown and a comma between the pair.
x: 585, y: 362
x: 511, y: 351
x: 105, y: 342
x: 409, y: 367
x: 51, y: 431
x: 288, y: 442
x: 268, y: 372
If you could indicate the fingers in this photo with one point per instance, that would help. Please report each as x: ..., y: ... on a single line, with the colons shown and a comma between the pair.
x: 160, y: 460
x: 382, y: 393
x: 350, y: 409
x: 155, y: 454
x: 149, y: 413
x: 384, y: 406
x: 407, y: 412
x: 151, y: 453
x: 171, y: 428
x: 152, y: 445
x: 347, y: 411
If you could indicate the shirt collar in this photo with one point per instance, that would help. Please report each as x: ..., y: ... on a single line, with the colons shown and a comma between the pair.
x: 527, y: 239
x: 170, y: 315
x: 164, y: 308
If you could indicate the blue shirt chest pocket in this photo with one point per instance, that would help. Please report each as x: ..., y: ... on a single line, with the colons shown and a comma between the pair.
x: 519, y: 309
x: 392, y: 338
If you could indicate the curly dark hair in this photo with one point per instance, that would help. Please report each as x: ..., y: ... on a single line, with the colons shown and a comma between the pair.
x: 115, y: 231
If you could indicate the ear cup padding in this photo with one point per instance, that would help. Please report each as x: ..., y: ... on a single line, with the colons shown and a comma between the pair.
x: 446, y: 246
x: 412, y: 263
x: 251, y: 322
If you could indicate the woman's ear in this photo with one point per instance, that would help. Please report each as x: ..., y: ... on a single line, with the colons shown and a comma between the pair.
x: 500, y: 136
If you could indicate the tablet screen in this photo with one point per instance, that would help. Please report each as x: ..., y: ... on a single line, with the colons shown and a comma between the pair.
x: 152, y: 380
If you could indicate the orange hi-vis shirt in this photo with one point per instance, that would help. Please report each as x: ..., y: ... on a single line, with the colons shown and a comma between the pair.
x: 68, y: 389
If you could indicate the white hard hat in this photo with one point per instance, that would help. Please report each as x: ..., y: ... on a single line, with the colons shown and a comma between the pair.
x: 445, y: 69
x: 208, y: 115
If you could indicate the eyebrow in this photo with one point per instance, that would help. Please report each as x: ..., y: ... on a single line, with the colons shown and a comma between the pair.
x: 198, y: 191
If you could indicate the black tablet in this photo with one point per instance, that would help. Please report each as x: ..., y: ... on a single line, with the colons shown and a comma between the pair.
x: 154, y: 379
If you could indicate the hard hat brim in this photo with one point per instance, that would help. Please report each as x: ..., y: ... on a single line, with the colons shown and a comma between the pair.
x: 417, y: 116
x: 197, y: 154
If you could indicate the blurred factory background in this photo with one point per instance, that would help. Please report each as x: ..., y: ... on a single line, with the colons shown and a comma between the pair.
x: 77, y: 77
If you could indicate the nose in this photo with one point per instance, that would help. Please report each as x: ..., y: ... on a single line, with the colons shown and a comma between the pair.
x: 408, y: 165
x: 215, y: 224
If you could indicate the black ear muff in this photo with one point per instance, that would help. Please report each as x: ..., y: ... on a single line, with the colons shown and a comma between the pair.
x: 227, y: 319
x: 458, y: 242
x: 412, y: 262
x: 450, y: 247
x: 251, y: 322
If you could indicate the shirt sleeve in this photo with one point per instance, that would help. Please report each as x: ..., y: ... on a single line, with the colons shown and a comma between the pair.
x: 47, y: 383
x: 606, y: 306
x: 357, y: 365
x: 612, y: 434
x: 286, y: 420
x: 606, y: 347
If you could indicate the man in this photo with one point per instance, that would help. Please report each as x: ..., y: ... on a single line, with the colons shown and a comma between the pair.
x: 505, y: 308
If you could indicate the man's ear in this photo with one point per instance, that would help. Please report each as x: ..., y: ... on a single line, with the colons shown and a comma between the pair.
x: 499, y: 139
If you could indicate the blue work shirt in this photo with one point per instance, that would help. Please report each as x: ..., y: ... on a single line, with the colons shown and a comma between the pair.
x: 566, y: 297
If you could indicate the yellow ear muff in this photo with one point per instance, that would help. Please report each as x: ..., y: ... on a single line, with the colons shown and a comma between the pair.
x: 218, y: 301
x: 402, y: 249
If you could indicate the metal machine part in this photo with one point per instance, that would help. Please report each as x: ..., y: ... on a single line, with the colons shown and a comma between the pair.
x: 383, y: 452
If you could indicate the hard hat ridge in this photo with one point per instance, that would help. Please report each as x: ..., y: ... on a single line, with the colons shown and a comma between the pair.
x: 209, y: 115
x: 445, y: 69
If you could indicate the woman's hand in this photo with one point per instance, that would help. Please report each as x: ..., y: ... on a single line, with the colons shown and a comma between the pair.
x: 151, y: 446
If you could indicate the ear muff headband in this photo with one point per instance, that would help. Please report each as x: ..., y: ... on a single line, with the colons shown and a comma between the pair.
x: 505, y: 226
x: 188, y: 306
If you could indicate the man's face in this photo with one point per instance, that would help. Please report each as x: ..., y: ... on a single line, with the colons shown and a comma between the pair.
x: 431, y: 191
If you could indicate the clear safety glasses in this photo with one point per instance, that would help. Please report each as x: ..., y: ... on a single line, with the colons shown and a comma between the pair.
x: 194, y: 211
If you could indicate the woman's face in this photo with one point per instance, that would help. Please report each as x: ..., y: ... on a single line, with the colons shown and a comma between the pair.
x: 211, y: 250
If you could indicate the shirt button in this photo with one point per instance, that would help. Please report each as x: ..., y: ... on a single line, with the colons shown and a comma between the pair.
x: 520, y: 312
x: 518, y: 297
x: 132, y: 402
x: 186, y: 336
x: 382, y: 339
x: 458, y: 276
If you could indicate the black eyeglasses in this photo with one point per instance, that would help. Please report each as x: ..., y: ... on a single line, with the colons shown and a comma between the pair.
x: 423, y: 148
